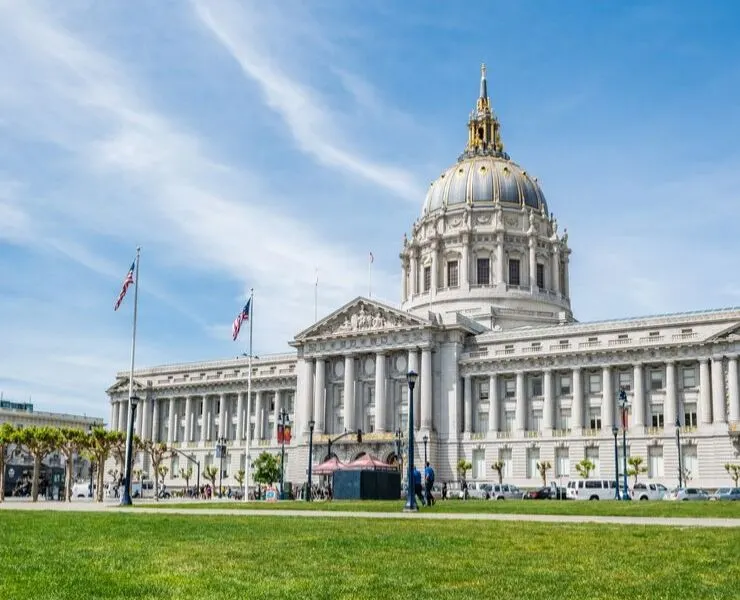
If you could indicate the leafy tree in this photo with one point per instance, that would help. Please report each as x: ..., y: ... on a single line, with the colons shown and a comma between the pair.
x: 209, y: 474
x: 635, y: 468
x: 585, y: 467
x: 39, y: 442
x: 463, y: 466
x: 157, y: 452
x: 266, y: 468
x: 687, y: 476
x: 186, y: 474
x: 118, y: 449
x: 543, y: 468
x: 734, y: 472
x: 240, y: 475
x: 99, y: 443
x: 72, y: 443
x: 498, y: 466
x: 137, y: 473
x: 7, y: 441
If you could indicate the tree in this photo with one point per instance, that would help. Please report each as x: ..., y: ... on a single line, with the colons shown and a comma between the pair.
x: 210, y: 473
x: 463, y: 466
x: 71, y: 444
x: 266, y: 469
x: 734, y: 472
x: 585, y: 467
x: 38, y: 441
x: 498, y: 466
x: 157, y: 452
x: 543, y: 468
x: 98, y: 445
x: 240, y: 474
x: 7, y: 441
x: 186, y: 474
x: 635, y: 468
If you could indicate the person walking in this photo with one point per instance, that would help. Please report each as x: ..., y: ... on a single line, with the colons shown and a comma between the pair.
x: 417, y: 486
x: 428, y: 483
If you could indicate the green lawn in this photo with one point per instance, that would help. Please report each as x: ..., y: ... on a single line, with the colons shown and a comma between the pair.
x: 80, y: 556
x: 728, y: 510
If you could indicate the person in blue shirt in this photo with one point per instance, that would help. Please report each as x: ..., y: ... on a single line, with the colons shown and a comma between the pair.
x: 428, y: 483
x: 417, y: 485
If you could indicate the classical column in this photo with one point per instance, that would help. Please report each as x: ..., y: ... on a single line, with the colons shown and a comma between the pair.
x: 221, y: 415
x: 521, y: 403
x: 532, y: 263
x: 435, y: 267
x: 555, y: 268
x: 122, y: 416
x: 733, y: 389
x: 427, y: 380
x: 548, y: 405
x: 319, y: 396
x: 171, y: 437
x: 380, y: 386
x: 155, y: 420
x: 259, y: 416
x: 577, y: 402
x: 204, y: 419
x: 465, y: 263
x: 607, y: 399
x: 719, y: 409
x: 188, y: 411
x: 276, y: 411
x: 240, y: 416
x: 306, y: 413
x: 566, y: 272
x: 146, y: 411
x: 113, y: 416
x: 414, y: 366
x: 638, y: 397
x: 349, y: 392
x: 705, y: 393
x: 500, y: 259
x: 468, y: 403
x: 493, y: 404
x: 670, y: 404
x: 404, y: 279
x: 414, y: 265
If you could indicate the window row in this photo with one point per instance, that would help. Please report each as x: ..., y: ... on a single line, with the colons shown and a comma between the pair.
x: 483, y: 274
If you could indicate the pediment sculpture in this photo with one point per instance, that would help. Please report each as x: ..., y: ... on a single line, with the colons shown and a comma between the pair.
x: 366, y: 318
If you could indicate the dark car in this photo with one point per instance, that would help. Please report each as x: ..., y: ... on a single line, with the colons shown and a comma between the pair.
x: 542, y: 493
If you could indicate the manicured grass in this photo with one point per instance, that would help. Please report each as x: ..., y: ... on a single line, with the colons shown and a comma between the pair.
x: 79, y: 556
x: 727, y: 510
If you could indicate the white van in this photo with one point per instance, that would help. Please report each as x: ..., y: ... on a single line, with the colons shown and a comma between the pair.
x: 591, y: 489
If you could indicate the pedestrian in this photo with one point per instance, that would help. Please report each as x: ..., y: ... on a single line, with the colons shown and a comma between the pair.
x: 444, y: 490
x: 465, y: 489
x: 417, y: 485
x: 428, y: 483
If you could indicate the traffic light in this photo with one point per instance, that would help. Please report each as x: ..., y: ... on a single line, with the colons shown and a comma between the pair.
x: 359, y: 436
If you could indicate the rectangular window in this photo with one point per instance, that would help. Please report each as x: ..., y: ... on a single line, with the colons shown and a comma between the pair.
x: 533, y: 457
x: 514, y: 274
x: 655, y: 462
x: 427, y: 278
x: 483, y: 391
x: 565, y: 385
x: 510, y: 388
x: 690, y: 461
x: 482, y: 422
x: 625, y: 380
x: 479, y: 464
x: 504, y: 455
x: 536, y: 420
x: 657, y: 419
x: 689, y: 377
x: 689, y: 415
x: 562, y: 462
x: 592, y: 454
x: 594, y: 415
x: 541, y: 276
x: 452, y: 274
x: 656, y: 380
x: 536, y: 386
x: 594, y: 383
x: 509, y: 417
x: 564, y: 418
x: 483, y: 271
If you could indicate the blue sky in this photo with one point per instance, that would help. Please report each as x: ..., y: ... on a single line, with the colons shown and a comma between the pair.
x: 244, y: 144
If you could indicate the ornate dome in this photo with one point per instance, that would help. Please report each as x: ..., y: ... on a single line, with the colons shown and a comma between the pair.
x: 485, y: 179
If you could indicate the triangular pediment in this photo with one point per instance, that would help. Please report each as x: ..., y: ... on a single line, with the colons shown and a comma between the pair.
x: 121, y: 385
x: 360, y: 316
x: 730, y: 334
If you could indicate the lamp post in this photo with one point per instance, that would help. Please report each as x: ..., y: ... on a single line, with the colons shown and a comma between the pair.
x: 220, y: 452
x: 311, y: 425
x: 623, y: 405
x: 283, y: 420
x: 425, y: 439
x: 615, y: 433
x: 126, y: 495
x: 678, y: 447
x: 410, y: 495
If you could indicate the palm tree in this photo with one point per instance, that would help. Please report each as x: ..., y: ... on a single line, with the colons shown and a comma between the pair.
x: 543, y: 468
x: 498, y: 466
x: 7, y: 441
x: 240, y: 474
x: 157, y: 451
x: 463, y: 466
x: 209, y: 474
x: 71, y: 443
x: 585, y: 467
x: 39, y: 442
x: 636, y: 467
x: 186, y: 474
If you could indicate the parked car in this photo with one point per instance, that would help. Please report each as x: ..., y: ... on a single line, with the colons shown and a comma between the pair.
x: 726, y: 494
x: 505, y: 491
x: 478, y: 490
x: 542, y: 493
x: 649, y: 491
x: 81, y: 490
x: 684, y: 494
x: 592, y: 489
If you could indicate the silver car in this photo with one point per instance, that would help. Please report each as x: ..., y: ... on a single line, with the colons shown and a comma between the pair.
x: 684, y: 494
x: 726, y: 494
x: 505, y: 491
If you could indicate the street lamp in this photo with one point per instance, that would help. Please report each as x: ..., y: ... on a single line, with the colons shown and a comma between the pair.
x: 410, y: 506
x: 425, y: 439
x: 220, y: 453
x: 615, y: 432
x: 311, y: 425
x: 624, y: 405
x: 283, y: 420
x: 126, y: 495
x: 678, y: 447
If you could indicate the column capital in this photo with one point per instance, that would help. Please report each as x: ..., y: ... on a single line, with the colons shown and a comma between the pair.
x: 704, y: 360
x: 381, y: 353
x: 577, y: 369
x: 320, y: 358
x: 548, y: 370
x: 670, y: 361
x: 467, y: 376
x: 718, y: 358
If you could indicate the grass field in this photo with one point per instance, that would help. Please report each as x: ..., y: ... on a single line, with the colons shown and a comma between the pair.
x: 80, y: 556
x: 727, y: 510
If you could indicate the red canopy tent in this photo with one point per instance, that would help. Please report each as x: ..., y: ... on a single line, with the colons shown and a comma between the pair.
x: 328, y: 466
x: 367, y: 462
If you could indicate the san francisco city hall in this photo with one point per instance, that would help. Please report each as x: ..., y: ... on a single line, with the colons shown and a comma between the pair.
x: 505, y: 371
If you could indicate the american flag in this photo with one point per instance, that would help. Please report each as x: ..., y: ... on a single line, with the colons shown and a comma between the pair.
x: 372, y: 258
x: 240, y: 318
x: 129, y: 279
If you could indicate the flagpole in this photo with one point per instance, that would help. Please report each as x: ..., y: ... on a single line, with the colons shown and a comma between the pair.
x: 248, y: 461
x: 126, y: 495
x: 316, y: 298
x: 370, y: 275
